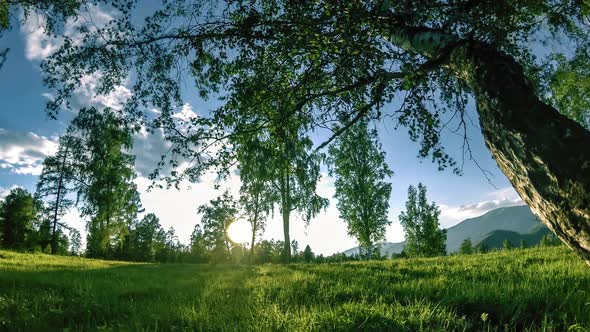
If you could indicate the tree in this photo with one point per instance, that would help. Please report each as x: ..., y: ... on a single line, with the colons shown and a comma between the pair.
x: 291, y: 169
x: 59, y: 178
x: 308, y: 255
x: 110, y: 196
x: 197, y: 247
x: 257, y: 197
x: 295, y: 251
x: 144, y: 238
x: 523, y: 244
x: 466, y: 247
x: 337, y: 62
x: 420, y: 223
x: 18, y: 212
x: 215, y: 219
x: 363, y: 195
x: 507, y: 245
x: 548, y: 241
x: 75, y: 242
x: 482, y: 248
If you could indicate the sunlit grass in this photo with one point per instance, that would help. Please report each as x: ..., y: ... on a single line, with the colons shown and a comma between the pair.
x: 535, y: 289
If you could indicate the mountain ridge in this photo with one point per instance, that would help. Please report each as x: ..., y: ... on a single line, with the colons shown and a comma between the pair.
x: 514, y: 223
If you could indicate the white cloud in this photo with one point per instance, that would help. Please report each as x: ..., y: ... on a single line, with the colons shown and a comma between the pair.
x: 23, y: 152
x: 5, y: 191
x: 86, y: 94
x: 186, y: 113
x: 451, y: 215
x: 39, y: 46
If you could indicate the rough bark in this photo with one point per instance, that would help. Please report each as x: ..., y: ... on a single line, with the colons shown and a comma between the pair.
x: 545, y: 155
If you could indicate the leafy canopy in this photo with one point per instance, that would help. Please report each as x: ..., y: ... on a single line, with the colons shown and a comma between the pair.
x: 328, y: 62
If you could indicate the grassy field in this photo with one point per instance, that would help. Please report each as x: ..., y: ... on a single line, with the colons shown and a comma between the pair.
x: 535, y: 289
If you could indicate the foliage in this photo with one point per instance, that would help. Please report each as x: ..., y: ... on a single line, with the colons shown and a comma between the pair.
x: 328, y: 60
x: 358, y: 163
x: 59, y: 179
x: 110, y: 196
x: 549, y: 240
x: 482, y: 248
x: 216, y: 217
x: 466, y: 247
x: 291, y: 169
x: 420, y: 223
x: 19, y: 211
x: 257, y: 196
x: 507, y: 245
x: 569, y: 83
x: 537, y: 289
x: 308, y: 255
x: 55, y: 13
x: 75, y: 242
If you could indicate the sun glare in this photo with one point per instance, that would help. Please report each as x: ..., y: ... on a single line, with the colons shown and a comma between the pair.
x: 240, y: 231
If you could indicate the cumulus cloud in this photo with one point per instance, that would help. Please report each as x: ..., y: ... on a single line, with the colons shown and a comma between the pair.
x: 148, y: 148
x: 5, y: 191
x: 23, y: 152
x: 39, y: 46
x: 86, y: 94
x: 505, y: 197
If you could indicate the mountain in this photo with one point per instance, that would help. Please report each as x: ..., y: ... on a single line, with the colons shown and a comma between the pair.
x: 387, y: 248
x: 514, y: 223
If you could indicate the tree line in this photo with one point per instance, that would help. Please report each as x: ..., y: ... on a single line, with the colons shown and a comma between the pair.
x: 94, y: 171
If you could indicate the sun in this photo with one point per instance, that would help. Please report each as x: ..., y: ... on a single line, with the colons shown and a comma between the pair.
x: 240, y: 231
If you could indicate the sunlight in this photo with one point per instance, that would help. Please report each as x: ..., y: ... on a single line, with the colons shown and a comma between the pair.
x: 240, y: 231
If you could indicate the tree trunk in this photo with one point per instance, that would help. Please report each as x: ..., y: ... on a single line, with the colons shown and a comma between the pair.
x: 286, y: 211
x: 545, y: 155
x: 58, y: 201
x: 254, y: 230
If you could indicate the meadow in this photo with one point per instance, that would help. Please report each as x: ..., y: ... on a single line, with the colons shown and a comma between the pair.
x: 538, y: 289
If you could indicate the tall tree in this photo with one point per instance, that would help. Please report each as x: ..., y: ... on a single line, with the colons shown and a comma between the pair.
x: 18, y: 212
x: 110, y: 197
x: 420, y: 223
x: 257, y: 196
x: 276, y: 159
x: 75, y: 242
x: 358, y: 163
x: 59, y: 178
x: 334, y: 60
x: 215, y: 219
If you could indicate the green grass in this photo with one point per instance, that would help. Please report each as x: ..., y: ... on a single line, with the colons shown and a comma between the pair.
x: 536, y: 289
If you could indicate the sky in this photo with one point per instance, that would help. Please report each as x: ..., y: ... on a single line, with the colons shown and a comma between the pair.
x: 27, y: 136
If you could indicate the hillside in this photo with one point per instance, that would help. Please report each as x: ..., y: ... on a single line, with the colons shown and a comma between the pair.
x: 515, y: 223
x: 533, y: 289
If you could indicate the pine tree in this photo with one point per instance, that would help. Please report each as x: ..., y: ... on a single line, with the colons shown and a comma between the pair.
x: 308, y: 255
x: 59, y: 178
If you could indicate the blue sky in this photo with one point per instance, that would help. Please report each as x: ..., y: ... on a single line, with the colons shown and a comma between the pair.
x: 27, y: 135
